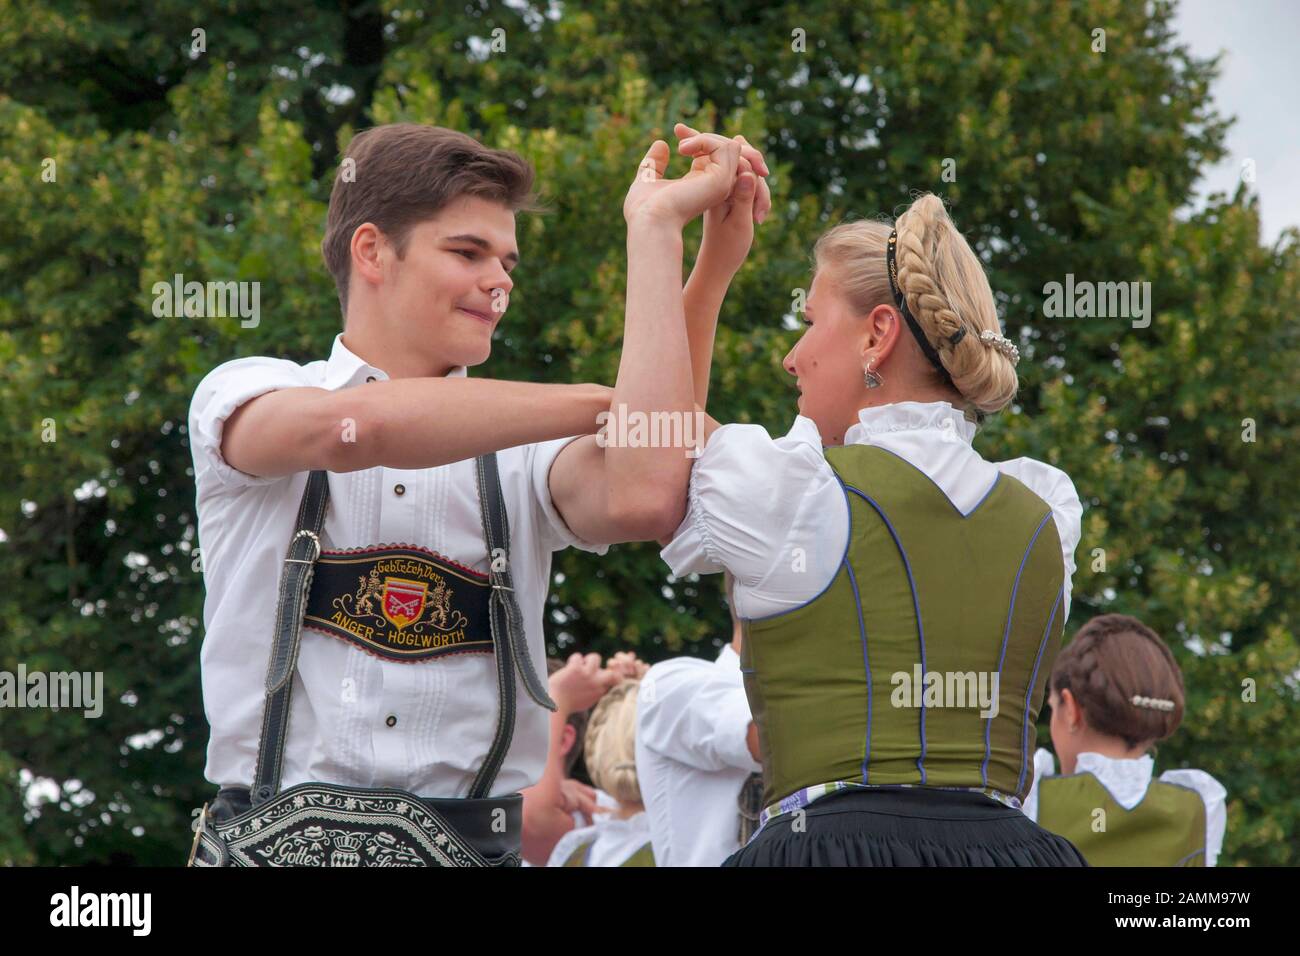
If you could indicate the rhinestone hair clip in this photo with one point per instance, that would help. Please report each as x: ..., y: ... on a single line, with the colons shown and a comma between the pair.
x: 1152, y: 703
x: 1002, y: 344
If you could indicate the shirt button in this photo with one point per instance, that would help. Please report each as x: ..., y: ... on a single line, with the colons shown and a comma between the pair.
x: 399, y: 490
x: 370, y: 378
x: 391, y: 721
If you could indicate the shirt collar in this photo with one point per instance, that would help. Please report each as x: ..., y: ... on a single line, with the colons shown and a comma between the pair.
x: 1135, y: 771
x: 909, y: 416
x: 345, y: 368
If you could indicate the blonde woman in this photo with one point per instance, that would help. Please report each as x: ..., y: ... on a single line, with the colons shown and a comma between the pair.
x: 903, y: 598
x: 620, y: 837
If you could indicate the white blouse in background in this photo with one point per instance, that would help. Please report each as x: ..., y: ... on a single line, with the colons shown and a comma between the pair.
x: 772, y: 512
x: 615, y: 840
x: 1128, y: 780
x: 692, y: 757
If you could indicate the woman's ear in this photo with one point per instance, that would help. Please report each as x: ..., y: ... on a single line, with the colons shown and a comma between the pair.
x: 882, y: 333
x: 1071, y: 711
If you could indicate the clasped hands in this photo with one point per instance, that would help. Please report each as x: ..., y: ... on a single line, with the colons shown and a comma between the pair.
x: 583, y: 680
x: 726, y: 182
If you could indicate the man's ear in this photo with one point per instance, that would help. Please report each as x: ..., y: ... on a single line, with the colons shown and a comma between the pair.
x: 367, y: 249
x: 567, y: 739
x: 882, y: 329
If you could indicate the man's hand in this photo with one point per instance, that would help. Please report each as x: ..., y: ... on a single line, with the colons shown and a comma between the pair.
x: 675, y: 202
x: 580, y: 683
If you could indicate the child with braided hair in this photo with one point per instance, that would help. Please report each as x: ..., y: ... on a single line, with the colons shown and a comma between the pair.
x: 622, y: 836
x: 1115, y: 692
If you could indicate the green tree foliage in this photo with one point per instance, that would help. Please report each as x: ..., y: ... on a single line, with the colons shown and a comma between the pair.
x: 1056, y: 159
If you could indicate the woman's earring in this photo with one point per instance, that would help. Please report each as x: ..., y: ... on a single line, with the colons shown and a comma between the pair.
x: 872, y: 378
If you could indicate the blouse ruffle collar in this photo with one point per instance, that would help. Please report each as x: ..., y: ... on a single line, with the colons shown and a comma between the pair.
x: 909, y: 416
x: 1127, y: 779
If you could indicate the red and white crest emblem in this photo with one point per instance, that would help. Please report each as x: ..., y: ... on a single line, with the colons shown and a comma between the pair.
x: 404, y: 601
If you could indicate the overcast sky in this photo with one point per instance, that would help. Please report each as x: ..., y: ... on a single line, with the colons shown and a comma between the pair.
x: 1259, y: 84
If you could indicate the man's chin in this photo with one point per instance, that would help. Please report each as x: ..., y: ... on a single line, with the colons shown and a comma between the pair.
x: 472, y: 353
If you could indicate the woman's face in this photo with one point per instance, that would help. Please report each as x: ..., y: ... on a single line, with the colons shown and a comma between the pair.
x: 827, y: 362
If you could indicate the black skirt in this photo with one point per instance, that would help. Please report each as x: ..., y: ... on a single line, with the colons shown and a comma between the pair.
x: 915, y: 826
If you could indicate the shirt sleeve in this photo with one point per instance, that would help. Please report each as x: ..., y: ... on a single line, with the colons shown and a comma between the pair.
x: 221, y: 391
x: 1055, y: 487
x: 1044, y: 766
x: 691, y: 713
x: 554, y: 531
x: 1216, y: 807
x: 745, y: 493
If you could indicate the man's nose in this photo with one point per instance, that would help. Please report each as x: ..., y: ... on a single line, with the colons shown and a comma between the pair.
x: 499, y: 278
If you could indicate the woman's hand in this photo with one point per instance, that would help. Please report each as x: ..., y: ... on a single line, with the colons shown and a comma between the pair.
x: 729, y: 226
x: 675, y: 202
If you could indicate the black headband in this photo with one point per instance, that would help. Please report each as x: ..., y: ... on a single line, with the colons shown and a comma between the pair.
x: 912, y: 324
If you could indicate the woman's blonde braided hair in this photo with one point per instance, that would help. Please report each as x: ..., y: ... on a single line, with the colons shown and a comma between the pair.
x: 945, y: 287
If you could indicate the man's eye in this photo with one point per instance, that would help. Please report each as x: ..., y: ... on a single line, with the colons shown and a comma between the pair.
x: 467, y: 253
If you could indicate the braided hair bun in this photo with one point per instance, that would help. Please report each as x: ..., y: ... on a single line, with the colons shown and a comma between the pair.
x: 1115, y: 667
x: 946, y: 290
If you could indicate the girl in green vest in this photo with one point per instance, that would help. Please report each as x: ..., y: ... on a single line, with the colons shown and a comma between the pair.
x: 903, y: 598
x: 620, y: 837
x: 1115, y: 692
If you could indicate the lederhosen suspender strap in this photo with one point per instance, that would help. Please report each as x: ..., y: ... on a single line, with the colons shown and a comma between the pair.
x: 295, y: 582
x: 508, y: 637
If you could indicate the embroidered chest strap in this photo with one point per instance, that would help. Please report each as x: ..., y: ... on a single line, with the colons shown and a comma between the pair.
x: 504, y: 618
x: 400, y: 602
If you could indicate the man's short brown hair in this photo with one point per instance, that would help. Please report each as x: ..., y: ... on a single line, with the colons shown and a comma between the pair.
x: 404, y: 173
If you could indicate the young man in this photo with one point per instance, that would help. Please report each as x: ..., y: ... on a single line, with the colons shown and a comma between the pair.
x: 421, y: 244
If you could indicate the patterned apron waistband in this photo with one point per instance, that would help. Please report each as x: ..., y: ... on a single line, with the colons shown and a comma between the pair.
x: 807, y: 795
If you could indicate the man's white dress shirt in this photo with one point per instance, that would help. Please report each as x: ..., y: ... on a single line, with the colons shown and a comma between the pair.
x: 356, y: 719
